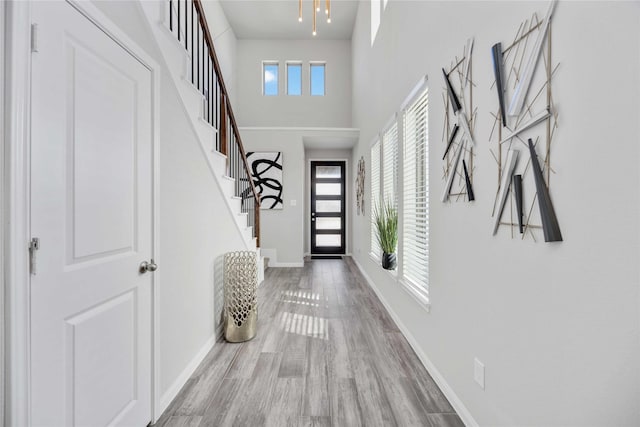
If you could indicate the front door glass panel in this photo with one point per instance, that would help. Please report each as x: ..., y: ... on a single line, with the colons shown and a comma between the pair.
x: 328, y: 207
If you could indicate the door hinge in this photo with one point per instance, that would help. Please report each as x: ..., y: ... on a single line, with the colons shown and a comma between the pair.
x: 34, y: 245
x: 34, y: 37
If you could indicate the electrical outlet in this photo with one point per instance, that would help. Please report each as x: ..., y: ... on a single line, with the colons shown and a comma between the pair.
x: 478, y: 372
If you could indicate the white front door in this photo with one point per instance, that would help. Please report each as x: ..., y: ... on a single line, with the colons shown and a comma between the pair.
x: 91, y: 198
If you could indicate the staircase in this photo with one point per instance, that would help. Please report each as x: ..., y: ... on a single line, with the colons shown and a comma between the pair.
x: 181, y: 30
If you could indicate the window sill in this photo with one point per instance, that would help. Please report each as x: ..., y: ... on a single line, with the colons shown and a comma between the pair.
x: 392, y: 273
x: 375, y: 258
x: 421, y: 299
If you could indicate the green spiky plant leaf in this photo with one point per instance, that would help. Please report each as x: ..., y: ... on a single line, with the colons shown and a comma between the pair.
x: 385, y: 217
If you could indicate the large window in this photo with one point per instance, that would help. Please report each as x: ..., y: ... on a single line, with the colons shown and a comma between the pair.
x: 292, y: 81
x: 375, y: 196
x: 294, y: 78
x: 317, y: 79
x: 390, y: 164
x: 400, y: 175
x: 384, y: 177
x: 415, y: 204
x: 269, y: 78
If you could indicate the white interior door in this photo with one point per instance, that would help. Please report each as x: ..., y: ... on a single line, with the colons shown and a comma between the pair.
x: 91, y: 176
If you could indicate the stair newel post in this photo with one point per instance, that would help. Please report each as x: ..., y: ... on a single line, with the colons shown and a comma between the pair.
x: 256, y: 213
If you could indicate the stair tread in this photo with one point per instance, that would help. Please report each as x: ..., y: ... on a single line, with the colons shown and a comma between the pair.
x: 192, y: 96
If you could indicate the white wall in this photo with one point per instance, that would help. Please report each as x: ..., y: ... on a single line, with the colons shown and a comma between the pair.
x: 283, y: 232
x: 195, y: 227
x: 298, y: 117
x: 333, y: 154
x: 3, y: 221
x: 195, y: 231
x: 557, y: 325
x: 224, y: 41
x: 331, y: 110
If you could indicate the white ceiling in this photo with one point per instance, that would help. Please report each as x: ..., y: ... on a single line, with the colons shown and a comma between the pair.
x: 278, y: 19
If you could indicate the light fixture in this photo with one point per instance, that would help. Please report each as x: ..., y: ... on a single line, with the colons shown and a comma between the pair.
x: 315, y: 9
x: 314, y: 16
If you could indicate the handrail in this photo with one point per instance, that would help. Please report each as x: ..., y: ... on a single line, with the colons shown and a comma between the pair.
x: 207, y: 35
x: 219, y: 114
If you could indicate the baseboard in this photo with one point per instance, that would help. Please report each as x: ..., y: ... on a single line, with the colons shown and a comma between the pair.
x: 453, y: 398
x: 270, y: 253
x: 220, y: 331
x: 174, y: 389
x: 285, y: 264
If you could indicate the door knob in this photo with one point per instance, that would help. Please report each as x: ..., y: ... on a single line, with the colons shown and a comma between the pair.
x: 148, y: 266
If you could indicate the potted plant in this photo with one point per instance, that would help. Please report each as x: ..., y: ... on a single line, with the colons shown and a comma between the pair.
x: 385, y: 216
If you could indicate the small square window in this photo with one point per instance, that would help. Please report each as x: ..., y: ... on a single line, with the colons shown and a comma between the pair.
x: 317, y: 80
x: 269, y: 79
x: 294, y: 78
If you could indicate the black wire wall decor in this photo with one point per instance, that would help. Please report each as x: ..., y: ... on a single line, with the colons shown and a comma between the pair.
x: 266, y: 172
x: 360, y: 187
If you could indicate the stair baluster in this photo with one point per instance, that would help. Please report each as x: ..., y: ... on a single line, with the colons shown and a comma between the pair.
x: 188, y: 23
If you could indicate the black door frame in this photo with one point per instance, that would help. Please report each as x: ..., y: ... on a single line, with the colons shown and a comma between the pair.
x: 328, y: 250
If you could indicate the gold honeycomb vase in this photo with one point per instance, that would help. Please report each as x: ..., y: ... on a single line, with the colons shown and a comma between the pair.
x: 240, y: 296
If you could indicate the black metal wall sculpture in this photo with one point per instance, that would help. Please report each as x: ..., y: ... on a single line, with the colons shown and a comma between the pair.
x: 530, y: 115
x: 467, y: 181
x: 550, y: 225
x: 454, y: 132
x: 496, y: 53
x: 455, y: 102
x: 459, y: 122
x: 517, y: 188
x: 503, y: 190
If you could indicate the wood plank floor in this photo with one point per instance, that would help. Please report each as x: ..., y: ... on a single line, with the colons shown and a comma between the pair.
x: 327, y: 354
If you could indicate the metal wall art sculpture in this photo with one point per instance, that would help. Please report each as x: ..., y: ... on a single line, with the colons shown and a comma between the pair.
x: 360, y: 187
x: 266, y: 172
x: 528, y: 121
x: 459, y: 122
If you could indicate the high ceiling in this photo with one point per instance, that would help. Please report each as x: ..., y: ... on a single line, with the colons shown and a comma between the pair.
x: 278, y: 19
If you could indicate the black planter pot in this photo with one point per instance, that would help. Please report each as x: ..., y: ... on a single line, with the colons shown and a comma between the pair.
x: 388, y: 261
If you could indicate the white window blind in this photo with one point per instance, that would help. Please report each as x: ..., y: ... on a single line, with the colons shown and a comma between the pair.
x: 390, y: 164
x: 415, y: 212
x: 375, y: 195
